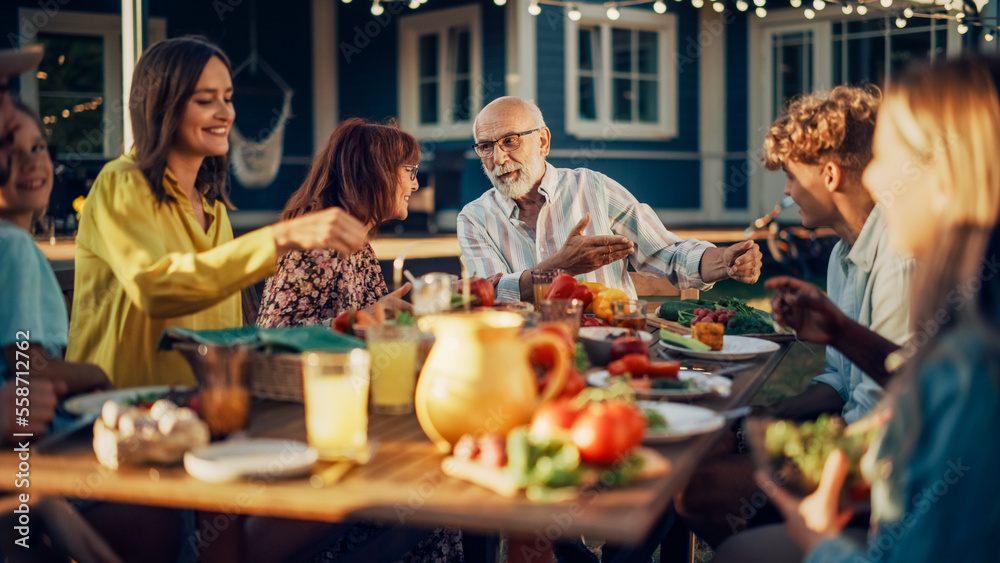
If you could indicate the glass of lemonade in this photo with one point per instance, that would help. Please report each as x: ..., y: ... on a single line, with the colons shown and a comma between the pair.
x: 565, y: 312
x: 393, y: 350
x: 541, y: 281
x: 336, y: 397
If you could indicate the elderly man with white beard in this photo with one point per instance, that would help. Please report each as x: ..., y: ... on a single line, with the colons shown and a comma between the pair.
x: 538, y: 216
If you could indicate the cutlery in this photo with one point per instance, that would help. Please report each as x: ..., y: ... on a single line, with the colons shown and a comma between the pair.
x: 66, y: 431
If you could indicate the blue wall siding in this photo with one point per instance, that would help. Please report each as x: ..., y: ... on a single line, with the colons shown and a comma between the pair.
x: 737, y: 109
x: 641, y: 176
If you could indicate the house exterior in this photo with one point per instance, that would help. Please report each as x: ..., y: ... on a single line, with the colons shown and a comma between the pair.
x: 673, y: 106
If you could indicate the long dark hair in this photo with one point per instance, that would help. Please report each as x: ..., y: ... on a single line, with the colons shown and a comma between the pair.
x: 164, y: 80
x: 357, y: 170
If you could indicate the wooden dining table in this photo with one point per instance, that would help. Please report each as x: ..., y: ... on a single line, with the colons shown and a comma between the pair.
x: 402, y: 484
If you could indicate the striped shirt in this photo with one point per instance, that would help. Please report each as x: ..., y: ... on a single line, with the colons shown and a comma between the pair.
x: 493, y: 240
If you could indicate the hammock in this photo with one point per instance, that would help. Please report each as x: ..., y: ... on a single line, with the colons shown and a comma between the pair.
x: 256, y: 163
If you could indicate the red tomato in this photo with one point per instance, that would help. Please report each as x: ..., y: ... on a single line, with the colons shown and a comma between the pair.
x: 543, y: 356
x: 601, y: 436
x: 483, y: 289
x: 574, y: 384
x: 553, y: 418
x: 616, y: 367
x: 342, y: 323
x: 632, y: 418
x: 663, y: 369
x: 636, y: 364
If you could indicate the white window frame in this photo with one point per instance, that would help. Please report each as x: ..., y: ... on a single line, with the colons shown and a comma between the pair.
x: 439, y: 22
x: 665, y: 25
x: 109, y: 28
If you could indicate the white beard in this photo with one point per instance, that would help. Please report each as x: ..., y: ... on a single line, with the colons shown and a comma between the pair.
x: 528, y: 174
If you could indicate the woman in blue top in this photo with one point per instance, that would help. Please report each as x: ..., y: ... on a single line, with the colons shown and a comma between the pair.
x: 34, y: 324
x: 936, y: 494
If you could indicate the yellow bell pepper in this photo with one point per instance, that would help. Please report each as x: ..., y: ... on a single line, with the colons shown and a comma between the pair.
x: 595, y: 289
x: 602, y: 302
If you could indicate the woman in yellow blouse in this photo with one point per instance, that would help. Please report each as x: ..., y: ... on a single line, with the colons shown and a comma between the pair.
x: 155, y: 247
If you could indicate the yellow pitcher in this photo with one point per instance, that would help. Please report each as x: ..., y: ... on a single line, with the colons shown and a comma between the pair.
x: 477, y: 378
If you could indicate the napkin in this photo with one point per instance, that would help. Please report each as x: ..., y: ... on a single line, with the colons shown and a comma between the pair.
x: 282, y: 340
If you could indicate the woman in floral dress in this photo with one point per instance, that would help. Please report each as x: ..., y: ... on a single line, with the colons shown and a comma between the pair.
x: 370, y: 170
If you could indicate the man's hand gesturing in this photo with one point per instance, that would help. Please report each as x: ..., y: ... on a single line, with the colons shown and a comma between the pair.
x: 743, y: 261
x: 585, y: 253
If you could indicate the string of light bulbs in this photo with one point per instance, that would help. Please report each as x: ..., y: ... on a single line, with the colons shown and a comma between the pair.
x: 760, y: 9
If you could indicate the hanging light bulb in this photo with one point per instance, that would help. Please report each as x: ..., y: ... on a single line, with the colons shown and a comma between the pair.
x: 346, y: 1
x: 499, y: 2
x: 659, y: 7
x: 960, y: 16
x: 796, y: 3
x: 574, y: 13
x: 761, y: 12
x: 862, y: 9
x: 759, y: 3
x: 988, y: 37
x: 809, y: 13
x: 819, y: 4
x: 697, y: 3
x: 742, y: 6
x: 908, y: 12
x: 414, y: 4
x: 847, y: 9
x: 377, y: 8
x: 718, y: 6
x: 962, y: 29
x: 900, y: 23
x: 534, y: 9
x: 885, y: 3
x: 613, y: 13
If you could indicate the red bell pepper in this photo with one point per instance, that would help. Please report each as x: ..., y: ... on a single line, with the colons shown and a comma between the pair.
x: 562, y: 287
x: 584, y: 294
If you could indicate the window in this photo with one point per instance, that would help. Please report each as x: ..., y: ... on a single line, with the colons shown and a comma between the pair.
x: 617, y: 74
x: 439, y: 64
x: 792, y: 61
x: 77, y: 87
x: 871, y: 51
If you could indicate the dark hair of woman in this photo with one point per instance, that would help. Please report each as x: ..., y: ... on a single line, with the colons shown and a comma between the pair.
x: 164, y: 80
x: 357, y: 170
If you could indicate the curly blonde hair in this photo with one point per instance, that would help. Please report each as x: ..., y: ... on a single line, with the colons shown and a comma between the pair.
x: 817, y: 129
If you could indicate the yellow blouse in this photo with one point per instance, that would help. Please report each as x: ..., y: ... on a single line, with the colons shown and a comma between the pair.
x: 142, y: 266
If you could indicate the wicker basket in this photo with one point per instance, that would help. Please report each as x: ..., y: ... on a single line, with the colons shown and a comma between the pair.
x: 272, y: 376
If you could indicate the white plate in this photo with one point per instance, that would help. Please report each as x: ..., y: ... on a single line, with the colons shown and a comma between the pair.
x: 733, y: 348
x: 600, y: 379
x: 683, y: 422
x: 229, y: 461
x: 92, y: 402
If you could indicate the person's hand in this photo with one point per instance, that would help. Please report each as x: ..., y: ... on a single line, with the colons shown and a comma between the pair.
x: 744, y: 261
x: 581, y: 254
x: 393, y: 302
x: 331, y: 228
x: 43, y: 398
x: 801, y: 306
x: 817, y: 517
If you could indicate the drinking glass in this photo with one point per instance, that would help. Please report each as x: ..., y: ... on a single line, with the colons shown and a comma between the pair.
x: 393, y: 351
x: 431, y: 294
x: 565, y: 312
x: 223, y: 374
x: 336, y: 398
x: 629, y: 313
x: 541, y: 280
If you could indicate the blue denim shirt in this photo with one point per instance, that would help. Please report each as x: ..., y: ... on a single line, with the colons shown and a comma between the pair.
x: 870, y: 283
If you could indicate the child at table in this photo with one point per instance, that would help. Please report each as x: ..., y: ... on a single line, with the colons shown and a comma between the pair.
x: 155, y: 247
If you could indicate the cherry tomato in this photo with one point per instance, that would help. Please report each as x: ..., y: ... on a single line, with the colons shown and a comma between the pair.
x: 632, y: 418
x: 574, y: 384
x: 553, y: 418
x: 616, y: 367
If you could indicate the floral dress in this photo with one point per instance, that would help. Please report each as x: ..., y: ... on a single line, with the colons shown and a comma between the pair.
x: 312, y: 288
